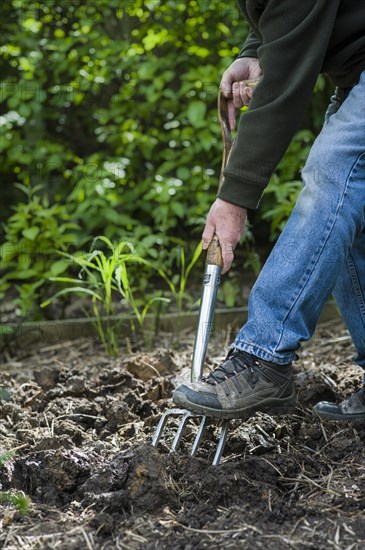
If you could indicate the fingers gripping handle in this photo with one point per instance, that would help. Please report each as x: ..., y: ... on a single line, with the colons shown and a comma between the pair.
x: 223, y: 116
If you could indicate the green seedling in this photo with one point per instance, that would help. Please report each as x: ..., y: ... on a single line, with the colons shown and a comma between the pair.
x: 17, y: 499
x: 178, y: 287
x: 101, y: 276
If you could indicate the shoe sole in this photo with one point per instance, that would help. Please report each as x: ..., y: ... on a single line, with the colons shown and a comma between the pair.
x: 339, y: 417
x: 270, y: 406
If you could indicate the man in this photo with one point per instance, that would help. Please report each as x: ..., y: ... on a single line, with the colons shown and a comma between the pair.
x: 321, y: 251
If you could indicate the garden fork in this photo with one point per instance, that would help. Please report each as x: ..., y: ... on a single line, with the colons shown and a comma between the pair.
x: 211, y: 279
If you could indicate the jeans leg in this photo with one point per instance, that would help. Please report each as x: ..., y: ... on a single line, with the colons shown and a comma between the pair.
x: 317, y: 242
x: 349, y: 294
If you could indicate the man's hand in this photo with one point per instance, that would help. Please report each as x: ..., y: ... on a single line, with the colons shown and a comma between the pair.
x: 227, y: 221
x: 246, y: 68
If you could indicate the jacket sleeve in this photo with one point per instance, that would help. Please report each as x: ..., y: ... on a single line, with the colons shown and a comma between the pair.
x: 251, y: 45
x: 295, y: 37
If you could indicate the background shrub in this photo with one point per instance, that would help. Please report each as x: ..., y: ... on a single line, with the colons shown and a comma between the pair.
x: 108, y: 119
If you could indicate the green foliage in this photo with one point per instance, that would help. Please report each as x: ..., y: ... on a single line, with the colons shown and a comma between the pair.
x: 120, y: 105
x: 177, y: 283
x: 33, y: 233
x: 19, y: 500
x: 100, y: 275
x: 112, y: 108
x: 103, y: 275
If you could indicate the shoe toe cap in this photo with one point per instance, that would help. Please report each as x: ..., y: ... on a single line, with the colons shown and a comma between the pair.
x: 185, y: 395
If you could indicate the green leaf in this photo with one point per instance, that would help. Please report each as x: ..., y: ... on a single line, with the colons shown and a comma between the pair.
x: 70, y: 290
x: 183, y: 173
x: 197, y: 253
x: 31, y: 233
x: 19, y: 500
x: 196, y: 112
x: 58, y: 267
x: 178, y: 209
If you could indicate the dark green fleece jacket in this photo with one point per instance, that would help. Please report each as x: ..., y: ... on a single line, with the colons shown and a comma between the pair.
x: 294, y: 41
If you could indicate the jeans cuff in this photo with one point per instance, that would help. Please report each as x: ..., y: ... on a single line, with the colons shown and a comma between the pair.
x: 265, y: 355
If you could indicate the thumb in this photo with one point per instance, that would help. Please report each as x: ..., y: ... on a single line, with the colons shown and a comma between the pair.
x: 208, y: 235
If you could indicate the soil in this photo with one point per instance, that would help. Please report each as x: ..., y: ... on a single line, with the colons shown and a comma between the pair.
x: 80, y: 424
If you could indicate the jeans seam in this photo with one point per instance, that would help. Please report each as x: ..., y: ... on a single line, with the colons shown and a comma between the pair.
x: 352, y: 270
x: 316, y: 257
x: 357, y: 292
x: 356, y: 286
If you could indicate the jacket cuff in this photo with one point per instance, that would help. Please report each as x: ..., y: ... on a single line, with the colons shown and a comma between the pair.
x: 241, y: 192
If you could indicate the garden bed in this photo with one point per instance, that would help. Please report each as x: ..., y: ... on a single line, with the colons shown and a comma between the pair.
x: 81, y: 424
x: 53, y: 331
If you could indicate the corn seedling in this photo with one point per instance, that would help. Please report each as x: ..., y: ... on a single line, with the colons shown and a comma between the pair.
x: 177, y: 283
x: 17, y: 499
x: 178, y: 287
x: 20, y: 501
x: 101, y: 276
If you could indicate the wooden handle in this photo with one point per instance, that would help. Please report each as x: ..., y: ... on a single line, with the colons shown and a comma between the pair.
x: 225, y: 131
x: 214, y: 252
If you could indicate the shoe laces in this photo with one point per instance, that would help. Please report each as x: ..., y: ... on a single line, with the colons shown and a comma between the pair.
x: 235, y: 362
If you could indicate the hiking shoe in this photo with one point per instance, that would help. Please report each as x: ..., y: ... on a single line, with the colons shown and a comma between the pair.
x: 242, y: 385
x: 352, y: 408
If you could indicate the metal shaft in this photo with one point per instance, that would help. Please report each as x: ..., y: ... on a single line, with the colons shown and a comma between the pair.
x: 209, y: 295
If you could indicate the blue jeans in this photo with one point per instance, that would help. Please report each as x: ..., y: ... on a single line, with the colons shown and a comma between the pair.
x: 321, y: 250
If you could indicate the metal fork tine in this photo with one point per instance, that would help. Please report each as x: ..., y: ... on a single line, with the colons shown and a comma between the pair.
x: 186, y: 415
x: 159, y: 429
x: 221, y: 443
x: 180, y: 430
x: 162, y: 424
x: 199, y: 435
